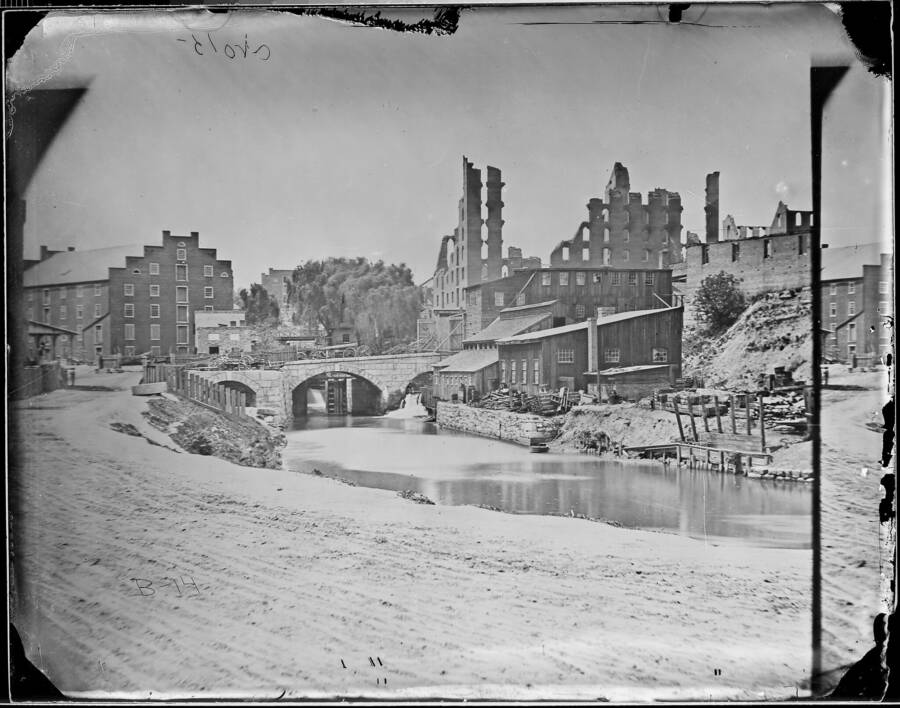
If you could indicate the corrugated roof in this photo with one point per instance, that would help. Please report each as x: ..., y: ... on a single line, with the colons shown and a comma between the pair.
x: 79, y: 266
x: 504, y: 327
x: 847, y: 262
x: 469, y: 360
x: 609, y: 319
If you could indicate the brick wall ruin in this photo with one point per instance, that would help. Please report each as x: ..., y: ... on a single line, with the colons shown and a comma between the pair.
x: 623, y: 232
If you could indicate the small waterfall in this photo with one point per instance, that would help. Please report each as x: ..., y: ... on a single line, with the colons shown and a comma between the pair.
x: 411, y: 407
x: 315, y: 400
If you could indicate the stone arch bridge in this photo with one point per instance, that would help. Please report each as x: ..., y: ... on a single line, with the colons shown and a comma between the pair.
x: 274, y: 388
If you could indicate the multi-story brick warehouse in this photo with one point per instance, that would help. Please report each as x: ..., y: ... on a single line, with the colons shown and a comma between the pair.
x: 151, y: 298
x: 623, y: 232
x: 120, y: 302
x: 581, y: 291
x: 70, y: 290
x: 857, y: 301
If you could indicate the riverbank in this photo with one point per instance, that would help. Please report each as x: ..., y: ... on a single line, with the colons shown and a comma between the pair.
x: 202, y: 431
x: 266, y: 582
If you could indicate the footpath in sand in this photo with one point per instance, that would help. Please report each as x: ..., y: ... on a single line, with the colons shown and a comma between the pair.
x: 850, y: 493
x: 145, y: 571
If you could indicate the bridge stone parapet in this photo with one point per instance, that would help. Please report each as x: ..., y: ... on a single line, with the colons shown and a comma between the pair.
x: 274, y: 387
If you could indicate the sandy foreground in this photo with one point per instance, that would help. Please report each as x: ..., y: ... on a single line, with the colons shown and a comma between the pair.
x: 852, y: 564
x: 270, y: 582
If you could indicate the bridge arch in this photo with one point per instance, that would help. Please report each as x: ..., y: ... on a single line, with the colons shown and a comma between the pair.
x: 342, y: 366
x: 241, y: 387
x: 336, y: 392
x: 247, y: 383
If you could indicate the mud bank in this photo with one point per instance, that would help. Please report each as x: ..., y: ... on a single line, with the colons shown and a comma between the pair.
x: 603, y: 428
x: 201, y: 431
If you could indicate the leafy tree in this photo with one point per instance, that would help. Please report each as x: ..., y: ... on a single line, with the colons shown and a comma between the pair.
x: 381, y: 302
x: 719, y: 302
x: 260, y: 308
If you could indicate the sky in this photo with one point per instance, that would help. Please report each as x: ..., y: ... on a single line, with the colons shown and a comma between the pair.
x: 330, y: 139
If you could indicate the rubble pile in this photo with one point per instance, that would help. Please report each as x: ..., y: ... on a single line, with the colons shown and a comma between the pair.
x: 786, y: 411
x: 203, y: 432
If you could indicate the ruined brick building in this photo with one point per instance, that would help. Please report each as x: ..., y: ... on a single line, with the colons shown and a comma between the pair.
x: 623, y: 232
x: 762, y: 258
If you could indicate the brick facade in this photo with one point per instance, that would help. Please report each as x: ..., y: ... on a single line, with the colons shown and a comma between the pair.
x: 152, y: 298
x: 223, y: 340
x: 584, y: 293
x: 854, y: 311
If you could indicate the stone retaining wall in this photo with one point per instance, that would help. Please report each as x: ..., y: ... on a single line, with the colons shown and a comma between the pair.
x: 503, y: 425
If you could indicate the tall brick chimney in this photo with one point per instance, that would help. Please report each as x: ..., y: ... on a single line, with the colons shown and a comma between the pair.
x: 494, y: 223
x: 712, y: 207
x: 471, y: 222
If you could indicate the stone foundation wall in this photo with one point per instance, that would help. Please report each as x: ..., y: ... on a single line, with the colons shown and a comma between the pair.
x: 503, y: 425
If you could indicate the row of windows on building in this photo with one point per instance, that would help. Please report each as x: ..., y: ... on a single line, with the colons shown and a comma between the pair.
x: 181, y: 275
x: 63, y: 293
x: 884, y: 332
x: 884, y: 308
x: 563, y: 279
x: 603, y: 214
x: 181, y: 291
x: 128, y: 311
x: 883, y: 287
x: 607, y: 253
x: 181, y: 255
x: 182, y: 333
x: 581, y: 278
x: 736, y: 250
x: 660, y: 355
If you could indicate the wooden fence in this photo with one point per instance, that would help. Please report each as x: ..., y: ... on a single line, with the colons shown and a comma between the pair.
x: 739, y: 407
x: 188, y: 384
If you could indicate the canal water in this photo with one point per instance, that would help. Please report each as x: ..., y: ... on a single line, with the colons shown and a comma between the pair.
x: 403, y: 452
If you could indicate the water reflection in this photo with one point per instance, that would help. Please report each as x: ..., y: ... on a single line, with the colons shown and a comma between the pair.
x: 451, y: 468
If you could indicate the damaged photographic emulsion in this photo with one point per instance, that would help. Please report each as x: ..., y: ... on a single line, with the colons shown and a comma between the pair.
x: 487, y: 353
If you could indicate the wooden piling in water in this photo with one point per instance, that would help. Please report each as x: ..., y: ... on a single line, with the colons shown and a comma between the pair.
x: 747, y: 409
x: 762, y: 426
x: 691, y: 414
x: 678, y: 419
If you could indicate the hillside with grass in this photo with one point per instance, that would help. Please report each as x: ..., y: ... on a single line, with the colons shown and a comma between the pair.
x: 774, y: 330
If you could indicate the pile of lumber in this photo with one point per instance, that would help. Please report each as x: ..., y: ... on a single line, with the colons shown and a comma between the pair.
x: 495, y: 400
x: 546, y: 404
